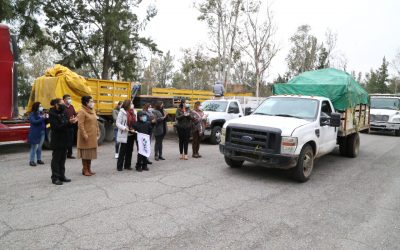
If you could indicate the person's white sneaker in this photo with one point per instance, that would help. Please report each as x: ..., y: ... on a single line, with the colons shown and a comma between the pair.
x: 116, y: 156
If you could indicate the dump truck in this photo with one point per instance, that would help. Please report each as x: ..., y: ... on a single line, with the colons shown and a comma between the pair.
x: 305, y: 119
x: 60, y: 80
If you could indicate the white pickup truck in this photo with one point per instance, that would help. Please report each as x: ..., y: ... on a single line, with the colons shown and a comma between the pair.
x: 385, y: 113
x: 218, y: 112
x: 289, y: 132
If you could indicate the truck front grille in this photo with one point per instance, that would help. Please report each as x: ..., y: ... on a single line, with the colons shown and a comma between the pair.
x: 379, y: 118
x: 254, y: 139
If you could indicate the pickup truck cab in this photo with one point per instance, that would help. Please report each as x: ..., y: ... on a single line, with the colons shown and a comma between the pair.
x: 218, y: 112
x: 385, y: 113
x: 289, y: 132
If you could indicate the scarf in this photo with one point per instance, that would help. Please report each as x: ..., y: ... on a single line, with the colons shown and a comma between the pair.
x: 131, y: 118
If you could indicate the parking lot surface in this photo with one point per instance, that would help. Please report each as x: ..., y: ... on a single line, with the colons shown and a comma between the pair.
x: 202, y: 203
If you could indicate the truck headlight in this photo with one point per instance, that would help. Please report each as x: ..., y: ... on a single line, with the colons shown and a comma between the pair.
x: 396, y: 119
x: 288, y: 145
x: 223, y: 134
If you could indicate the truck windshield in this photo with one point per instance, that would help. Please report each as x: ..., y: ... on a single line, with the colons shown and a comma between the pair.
x: 215, y: 106
x: 385, y: 103
x: 289, y: 107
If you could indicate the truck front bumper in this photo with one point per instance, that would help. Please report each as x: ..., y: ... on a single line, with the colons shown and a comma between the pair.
x: 261, y: 158
x: 385, y: 126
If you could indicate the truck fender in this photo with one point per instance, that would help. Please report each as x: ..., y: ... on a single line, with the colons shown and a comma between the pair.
x: 219, y: 122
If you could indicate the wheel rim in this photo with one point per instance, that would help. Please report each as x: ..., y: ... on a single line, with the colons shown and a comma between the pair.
x: 308, y: 163
x: 357, y: 146
x: 218, y: 136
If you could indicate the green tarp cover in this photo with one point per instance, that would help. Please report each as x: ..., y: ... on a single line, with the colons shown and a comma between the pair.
x: 337, y: 85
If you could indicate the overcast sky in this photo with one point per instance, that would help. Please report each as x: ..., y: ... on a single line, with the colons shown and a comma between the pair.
x: 367, y: 30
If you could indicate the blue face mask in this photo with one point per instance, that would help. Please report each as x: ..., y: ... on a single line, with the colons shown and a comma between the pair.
x: 187, y: 105
x: 144, y: 118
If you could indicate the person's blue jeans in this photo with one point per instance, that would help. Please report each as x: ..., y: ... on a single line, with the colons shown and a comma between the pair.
x: 36, y: 149
x: 115, y: 139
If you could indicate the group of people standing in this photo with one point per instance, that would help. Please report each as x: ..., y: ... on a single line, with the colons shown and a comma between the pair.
x: 64, y: 121
x: 128, y: 123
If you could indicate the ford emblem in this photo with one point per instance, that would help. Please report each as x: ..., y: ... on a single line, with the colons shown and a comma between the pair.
x: 247, y: 138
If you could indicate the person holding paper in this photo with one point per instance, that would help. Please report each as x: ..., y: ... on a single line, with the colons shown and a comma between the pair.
x: 143, y: 127
x: 125, y: 136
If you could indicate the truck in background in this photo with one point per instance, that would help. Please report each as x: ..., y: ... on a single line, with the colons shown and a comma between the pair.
x: 12, y: 126
x: 385, y: 113
x: 306, y: 119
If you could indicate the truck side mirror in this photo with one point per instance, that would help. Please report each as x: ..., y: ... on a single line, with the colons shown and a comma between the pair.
x: 247, y: 111
x: 335, y: 120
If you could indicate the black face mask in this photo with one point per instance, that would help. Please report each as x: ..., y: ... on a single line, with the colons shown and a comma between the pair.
x: 61, y: 107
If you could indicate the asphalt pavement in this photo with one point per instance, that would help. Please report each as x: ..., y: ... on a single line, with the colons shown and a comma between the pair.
x: 202, y: 203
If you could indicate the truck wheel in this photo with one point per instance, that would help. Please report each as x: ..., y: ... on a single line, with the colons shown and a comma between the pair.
x: 47, y: 141
x: 215, y: 135
x: 305, y: 164
x: 233, y: 163
x: 102, y: 136
x: 109, y: 132
x: 343, y: 146
x: 353, y: 145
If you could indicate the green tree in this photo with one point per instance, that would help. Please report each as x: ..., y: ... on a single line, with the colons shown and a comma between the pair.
x: 102, y: 34
x: 166, y: 67
x: 378, y: 81
x: 304, y: 51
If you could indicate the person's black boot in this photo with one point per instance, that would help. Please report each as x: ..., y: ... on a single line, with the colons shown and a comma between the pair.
x: 57, y: 182
x: 65, y: 179
x: 32, y: 164
x: 149, y: 162
x: 139, y: 169
x: 40, y: 162
x: 161, y: 158
x: 145, y: 168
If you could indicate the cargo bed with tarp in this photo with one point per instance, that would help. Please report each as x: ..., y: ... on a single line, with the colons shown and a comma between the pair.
x: 345, y: 93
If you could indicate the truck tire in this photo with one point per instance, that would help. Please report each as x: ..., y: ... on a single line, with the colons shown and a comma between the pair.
x: 102, y: 136
x: 109, y: 132
x: 353, y: 145
x: 305, y: 164
x: 47, y: 141
x: 233, y: 163
x: 343, y: 146
x: 215, y: 135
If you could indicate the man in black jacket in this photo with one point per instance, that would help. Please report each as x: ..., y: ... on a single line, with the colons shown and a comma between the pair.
x: 59, y: 125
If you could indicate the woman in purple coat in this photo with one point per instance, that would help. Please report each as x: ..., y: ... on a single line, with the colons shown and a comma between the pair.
x: 37, y: 133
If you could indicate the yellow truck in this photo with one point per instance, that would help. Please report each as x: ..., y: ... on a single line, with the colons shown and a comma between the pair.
x: 59, y: 81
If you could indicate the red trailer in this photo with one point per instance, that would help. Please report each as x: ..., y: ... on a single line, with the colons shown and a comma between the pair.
x: 12, y: 128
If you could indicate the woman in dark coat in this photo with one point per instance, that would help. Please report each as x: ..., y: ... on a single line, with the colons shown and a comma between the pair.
x: 183, y: 125
x: 158, y: 130
x: 37, y: 133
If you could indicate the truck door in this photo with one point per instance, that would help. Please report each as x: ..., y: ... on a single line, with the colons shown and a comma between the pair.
x: 328, y: 134
x: 233, y: 110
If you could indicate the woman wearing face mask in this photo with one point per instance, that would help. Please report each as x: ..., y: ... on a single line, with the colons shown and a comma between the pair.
x: 88, y: 131
x: 159, y: 130
x: 37, y: 133
x: 198, y: 119
x: 183, y: 125
x: 59, y: 124
x: 125, y: 136
x: 115, y: 116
